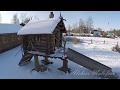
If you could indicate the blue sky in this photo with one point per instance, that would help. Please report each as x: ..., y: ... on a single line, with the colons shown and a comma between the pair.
x: 100, y: 18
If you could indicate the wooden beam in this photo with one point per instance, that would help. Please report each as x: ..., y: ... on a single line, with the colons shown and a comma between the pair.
x: 36, y: 63
x: 65, y: 68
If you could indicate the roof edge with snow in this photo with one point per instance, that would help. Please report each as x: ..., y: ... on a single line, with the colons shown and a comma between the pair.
x: 46, y: 26
x: 9, y: 28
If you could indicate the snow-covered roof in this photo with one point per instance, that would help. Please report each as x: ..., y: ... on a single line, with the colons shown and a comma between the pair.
x: 9, y: 28
x: 39, y: 26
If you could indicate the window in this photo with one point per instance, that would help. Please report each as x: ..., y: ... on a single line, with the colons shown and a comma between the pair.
x: 37, y: 39
x: 4, y: 39
x: 13, y: 37
x: 18, y: 37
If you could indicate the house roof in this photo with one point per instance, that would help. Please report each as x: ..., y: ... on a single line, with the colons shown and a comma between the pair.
x: 9, y: 28
x: 110, y: 34
x: 46, y: 26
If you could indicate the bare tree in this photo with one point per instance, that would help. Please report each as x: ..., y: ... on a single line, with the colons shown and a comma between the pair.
x: 99, y: 29
x: 26, y: 20
x: 74, y: 27
x: 22, y: 17
x: 15, y: 19
x: 89, y: 24
x: 69, y: 29
x: 81, y: 26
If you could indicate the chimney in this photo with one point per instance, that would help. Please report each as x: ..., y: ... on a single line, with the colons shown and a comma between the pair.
x: 51, y: 15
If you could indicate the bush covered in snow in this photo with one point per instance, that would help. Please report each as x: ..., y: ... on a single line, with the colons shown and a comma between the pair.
x: 116, y: 48
x: 74, y: 40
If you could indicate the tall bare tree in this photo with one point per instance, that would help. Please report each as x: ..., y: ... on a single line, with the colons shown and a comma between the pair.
x: 74, y: 27
x: 81, y: 26
x: 99, y: 29
x: 69, y: 29
x: 15, y: 19
x: 26, y: 20
x: 22, y: 17
x: 89, y: 24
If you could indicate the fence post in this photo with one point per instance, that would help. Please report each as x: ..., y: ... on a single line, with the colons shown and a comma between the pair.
x: 104, y: 41
x: 117, y: 43
x: 36, y: 63
x: 91, y: 41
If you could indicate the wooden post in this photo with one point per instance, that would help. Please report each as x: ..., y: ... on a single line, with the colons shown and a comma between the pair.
x: 117, y: 43
x: 65, y: 64
x: 46, y: 61
x: 104, y: 41
x: 36, y: 62
x: 91, y: 41
x: 64, y: 47
x: 65, y: 68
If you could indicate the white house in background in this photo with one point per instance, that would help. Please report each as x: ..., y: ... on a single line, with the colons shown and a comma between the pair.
x: 96, y: 33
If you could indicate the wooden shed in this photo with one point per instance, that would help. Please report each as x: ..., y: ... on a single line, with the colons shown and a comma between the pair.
x: 42, y: 35
x: 8, y: 36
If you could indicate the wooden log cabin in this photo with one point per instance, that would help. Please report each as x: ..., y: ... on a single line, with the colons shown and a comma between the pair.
x: 8, y: 36
x: 42, y: 35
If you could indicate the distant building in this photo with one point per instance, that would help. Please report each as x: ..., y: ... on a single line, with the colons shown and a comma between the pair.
x: 96, y: 33
x: 8, y: 36
x: 110, y: 35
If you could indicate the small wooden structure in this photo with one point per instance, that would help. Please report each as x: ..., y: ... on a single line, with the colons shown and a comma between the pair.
x: 43, y: 36
x: 37, y: 36
x: 8, y: 36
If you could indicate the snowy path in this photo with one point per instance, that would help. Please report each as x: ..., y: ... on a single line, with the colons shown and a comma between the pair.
x: 9, y: 68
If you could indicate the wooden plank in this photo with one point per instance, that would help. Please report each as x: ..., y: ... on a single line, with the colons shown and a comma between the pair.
x: 42, y: 39
x: 25, y: 58
x: 90, y: 63
x: 36, y: 63
x: 40, y: 47
x: 43, y: 42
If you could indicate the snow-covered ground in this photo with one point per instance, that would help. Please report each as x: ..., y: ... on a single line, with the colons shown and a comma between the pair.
x: 100, y: 51
x: 9, y: 68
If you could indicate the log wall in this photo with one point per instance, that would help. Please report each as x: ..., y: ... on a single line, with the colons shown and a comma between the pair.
x: 8, y: 41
